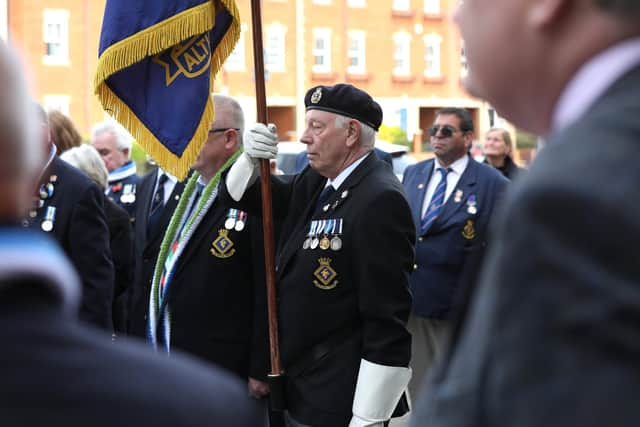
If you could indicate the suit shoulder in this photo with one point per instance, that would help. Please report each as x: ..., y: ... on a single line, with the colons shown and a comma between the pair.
x: 414, y: 168
x: 75, y: 181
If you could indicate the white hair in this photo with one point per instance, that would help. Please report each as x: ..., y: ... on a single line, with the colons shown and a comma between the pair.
x: 88, y: 160
x: 124, y: 140
x: 234, y: 114
x: 367, y: 133
x: 18, y: 116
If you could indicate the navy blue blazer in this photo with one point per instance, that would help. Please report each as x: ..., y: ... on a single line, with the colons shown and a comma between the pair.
x: 450, y: 252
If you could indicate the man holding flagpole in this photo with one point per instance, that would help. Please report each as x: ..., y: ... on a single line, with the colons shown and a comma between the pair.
x: 343, y: 268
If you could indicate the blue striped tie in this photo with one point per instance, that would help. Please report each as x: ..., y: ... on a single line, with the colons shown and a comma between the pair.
x: 437, y: 200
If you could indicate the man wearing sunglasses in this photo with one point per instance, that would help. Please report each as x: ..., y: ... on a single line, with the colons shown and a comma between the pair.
x: 452, y: 198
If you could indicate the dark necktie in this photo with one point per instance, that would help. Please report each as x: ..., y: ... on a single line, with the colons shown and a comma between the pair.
x: 437, y: 200
x: 324, y: 197
x: 157, y: 203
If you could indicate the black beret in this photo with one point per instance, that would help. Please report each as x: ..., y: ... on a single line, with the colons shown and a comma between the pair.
x: 346, y: 100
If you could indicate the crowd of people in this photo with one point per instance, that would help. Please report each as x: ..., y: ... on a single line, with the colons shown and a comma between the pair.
x: 468, y: 294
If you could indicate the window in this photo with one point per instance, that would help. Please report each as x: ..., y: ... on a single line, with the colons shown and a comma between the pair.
x: 55, y: 32
x: 432, y: 7
x: 357, y: 3
x: 402, y: 54
x: 321, y: 1
x: 401, y: 4
x: 274, y: 47
x: 321, y: 50
x: 236, y: 60
x: 356, y: 53
x: 432, y: 58
x: 464, y: 67
x: 57, y: 102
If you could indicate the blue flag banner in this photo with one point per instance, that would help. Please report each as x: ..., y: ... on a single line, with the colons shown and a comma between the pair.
x: 156, y: 66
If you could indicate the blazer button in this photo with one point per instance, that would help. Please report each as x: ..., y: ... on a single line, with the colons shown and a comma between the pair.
x: 415, y: 266
x: 420, y: 239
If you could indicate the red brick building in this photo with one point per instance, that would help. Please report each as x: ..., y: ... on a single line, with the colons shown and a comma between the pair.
x: 406, y: 53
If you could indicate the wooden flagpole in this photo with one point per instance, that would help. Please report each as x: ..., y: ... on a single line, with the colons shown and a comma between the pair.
x: 276, y: 377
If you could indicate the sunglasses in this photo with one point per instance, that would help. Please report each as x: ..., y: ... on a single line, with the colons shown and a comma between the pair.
x: 214, y: 130
x: 446, y: 131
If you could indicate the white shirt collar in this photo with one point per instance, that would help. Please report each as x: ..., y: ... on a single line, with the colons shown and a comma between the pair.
x: 457, y: 167
x: 592, y: 80
x: 342, y: 176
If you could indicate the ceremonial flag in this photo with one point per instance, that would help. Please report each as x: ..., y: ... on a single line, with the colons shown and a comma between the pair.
x: 157, y: 61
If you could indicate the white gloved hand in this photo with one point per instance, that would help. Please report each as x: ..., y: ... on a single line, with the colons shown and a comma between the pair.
x: 261, y: 142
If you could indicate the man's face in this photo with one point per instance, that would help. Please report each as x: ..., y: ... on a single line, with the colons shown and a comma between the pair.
x: 492, y: 31
x: 326, y: 145
x: 107, y: 148
x: 448, y: 149
x: 215, y: 150
x: 495, y: 145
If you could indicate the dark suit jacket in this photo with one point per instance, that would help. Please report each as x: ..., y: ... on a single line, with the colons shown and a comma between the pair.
x: 217, y: 296
x: 80, y: 227
x: 146, y: 248
x: 553, y: 334
x: 57, y: 372
x: 449, y: 249
x: 121, y: 244
x: 366, y: 293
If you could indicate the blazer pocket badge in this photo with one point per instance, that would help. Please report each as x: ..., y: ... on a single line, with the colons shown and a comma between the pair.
x: 325, y: 275
x: 222, y: 246
x: 469, y: 232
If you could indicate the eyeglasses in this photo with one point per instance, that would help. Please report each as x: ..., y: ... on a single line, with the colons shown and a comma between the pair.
x: 446, y: 131
x: 214, y: 130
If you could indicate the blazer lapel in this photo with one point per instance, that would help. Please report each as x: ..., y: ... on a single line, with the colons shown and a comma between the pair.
x: 417, y: 189
x: 464, y: 188
x: 292, y: 241
x: 145, y: 194
x: 165, y: 217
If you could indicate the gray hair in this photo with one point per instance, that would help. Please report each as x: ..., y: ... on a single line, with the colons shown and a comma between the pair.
x: 230, y: 114
x: 367, y: 133
x: 124, y: 140
x: 88, y: 160
x: 21, y: 134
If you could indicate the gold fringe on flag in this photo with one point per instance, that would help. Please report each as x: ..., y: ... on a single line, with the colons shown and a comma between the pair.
x: 151, y: 41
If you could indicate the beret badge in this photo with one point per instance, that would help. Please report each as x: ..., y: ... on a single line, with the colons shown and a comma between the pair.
x: 316, y: 96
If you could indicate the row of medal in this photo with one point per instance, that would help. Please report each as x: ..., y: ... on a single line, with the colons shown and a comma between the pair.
x: 45, y: 192
x: 128, y: 194
x: 324, y: 234
x: 236, y: 220
x: 472, y: 207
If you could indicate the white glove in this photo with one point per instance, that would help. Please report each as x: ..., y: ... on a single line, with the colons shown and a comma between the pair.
x: 261, y: 142
x: 378, y: 391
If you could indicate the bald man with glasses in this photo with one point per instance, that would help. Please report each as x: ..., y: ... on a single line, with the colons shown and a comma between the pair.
x: 452, y: 199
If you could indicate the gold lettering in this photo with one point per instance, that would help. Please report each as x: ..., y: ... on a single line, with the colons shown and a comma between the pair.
x: 200, y: 57
x: 204, y: 44
x: 190, y: 60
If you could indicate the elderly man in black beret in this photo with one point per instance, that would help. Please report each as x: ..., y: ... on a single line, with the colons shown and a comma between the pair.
x: 342, y: 265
